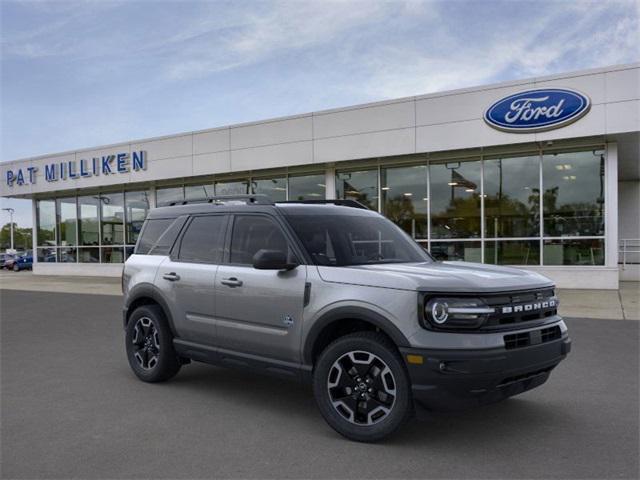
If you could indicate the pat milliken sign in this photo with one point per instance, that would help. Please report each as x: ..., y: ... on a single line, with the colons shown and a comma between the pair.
x: 105, y: 165
x: 537, y: 110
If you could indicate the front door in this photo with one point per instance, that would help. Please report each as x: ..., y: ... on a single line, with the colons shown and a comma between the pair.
x: 259, y: 311
x: 188, y: 278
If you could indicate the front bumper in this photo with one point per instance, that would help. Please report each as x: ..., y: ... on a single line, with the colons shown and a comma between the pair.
x: 456, y: 379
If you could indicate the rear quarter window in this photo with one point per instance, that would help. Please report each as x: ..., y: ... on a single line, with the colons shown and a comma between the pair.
x: 158, y: 235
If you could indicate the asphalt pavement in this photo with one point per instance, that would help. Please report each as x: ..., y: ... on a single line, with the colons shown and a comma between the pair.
x: 71, y: 408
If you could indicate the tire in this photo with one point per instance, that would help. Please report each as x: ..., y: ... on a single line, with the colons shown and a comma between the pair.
x: 379, y: 383
x: 16, y: 268
x: 149, y: 345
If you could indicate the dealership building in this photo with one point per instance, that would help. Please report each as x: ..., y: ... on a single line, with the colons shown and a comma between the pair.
x: 541, y: 173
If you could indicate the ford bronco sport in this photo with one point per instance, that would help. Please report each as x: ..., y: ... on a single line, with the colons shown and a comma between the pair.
x: 335, y: 294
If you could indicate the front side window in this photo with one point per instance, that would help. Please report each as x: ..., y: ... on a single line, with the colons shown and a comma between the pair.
x: 203, y: 240
x: 344, y: 240
x: 151, y: 232
x: 252, y: 233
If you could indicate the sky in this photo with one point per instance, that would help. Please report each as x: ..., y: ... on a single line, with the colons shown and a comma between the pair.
x: 86, y: 73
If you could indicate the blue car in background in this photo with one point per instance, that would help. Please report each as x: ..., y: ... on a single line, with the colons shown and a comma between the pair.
x: 23, y: 262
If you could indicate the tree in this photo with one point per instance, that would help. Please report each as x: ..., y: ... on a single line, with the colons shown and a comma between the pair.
x: 21, y: 237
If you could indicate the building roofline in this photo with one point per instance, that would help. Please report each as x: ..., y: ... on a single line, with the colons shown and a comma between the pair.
x: 445, y: 93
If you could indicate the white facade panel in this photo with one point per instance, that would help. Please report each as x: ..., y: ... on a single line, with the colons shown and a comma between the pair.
x: 210, y: 163
x: 271, y: 133
x: 623, y: 85
x: 367, y: 119
x: 287, y: 154
x: 593, y: 123
x: 378, y: 144
x: 167, y: 168
x: 211, y: 141
x: 591, y: 85
x: 171, y: 147
x: 623, y: 116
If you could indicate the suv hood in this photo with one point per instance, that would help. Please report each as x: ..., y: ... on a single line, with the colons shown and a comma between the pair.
x: 436, y: 276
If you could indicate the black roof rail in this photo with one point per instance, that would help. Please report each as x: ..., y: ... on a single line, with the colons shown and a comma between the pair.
x: 340, y: 202
x: 256, y: 199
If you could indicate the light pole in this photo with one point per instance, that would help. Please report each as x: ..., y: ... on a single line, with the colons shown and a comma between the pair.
x: 11, y: 212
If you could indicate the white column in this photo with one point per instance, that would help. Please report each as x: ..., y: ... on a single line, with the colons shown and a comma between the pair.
x: 34, y: 231
x: 152, y: 196
x: 330, y: 182
x: 611, y: 205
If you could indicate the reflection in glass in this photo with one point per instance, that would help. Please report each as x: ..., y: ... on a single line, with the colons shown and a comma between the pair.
x: 512, y: 252
x: 46, y: 218
x: 67, y: 254
x: 198, y: 192
x: 275, y: 188
x: 88, y: 220
x: 360, y: 186
x: 232, y: 188
x: 405, y: 200
x: 512, y: 197
x: 112, y: 218
x: 46, y: 255
x: 307, y: 187
x: 136, y: 208
x: 457, y: 251
x: 169, y: 196
x: 112, y: 255
x: 89, y: 255
x: 574, y: 252
x: 573, y: 199
x: 455, y: 200
x: 67, y: 220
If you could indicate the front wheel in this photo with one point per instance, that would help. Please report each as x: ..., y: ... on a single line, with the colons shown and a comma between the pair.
x: 16, y: 268
x: 361, y: 387
x: 149, y: 345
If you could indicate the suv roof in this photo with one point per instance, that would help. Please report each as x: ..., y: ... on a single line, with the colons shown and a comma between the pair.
x: 234, y: 203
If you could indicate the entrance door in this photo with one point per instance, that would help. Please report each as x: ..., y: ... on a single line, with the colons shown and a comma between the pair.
x: 259, y: 311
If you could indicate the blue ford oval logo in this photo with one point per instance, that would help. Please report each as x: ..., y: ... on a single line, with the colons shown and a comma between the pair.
x: 537, y: 110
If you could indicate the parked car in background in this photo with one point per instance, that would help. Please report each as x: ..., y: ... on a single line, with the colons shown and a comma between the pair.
x: 7, y: 260
x: 23, y: 262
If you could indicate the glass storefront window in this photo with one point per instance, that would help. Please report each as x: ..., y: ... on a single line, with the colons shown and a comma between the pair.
x: 512, y: 197
x: 574, y: 252
x: 361, y: 186
x: 512, y: 252
x: 275, y: 188
x: 89, y: 255
x: 169, y: 195
x: 112, y: 255
x: 67, y: 221
x: 67, y: 254
x: 404, y: 198
x: 457, y: 251
x: 136, y: 208
x: 573, y: 198
x: 112, y: 217
x: 455, y: 200
x: 88, y: 227
x: 46, y: 255
x: 232, y: 188
x: 198, y: 192
x: 307, y: 187
x: 46, y: 218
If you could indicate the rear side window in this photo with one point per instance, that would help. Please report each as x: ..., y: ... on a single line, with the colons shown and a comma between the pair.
x: 252, y: 233
x: 158, y: 235
x: 203, y: 240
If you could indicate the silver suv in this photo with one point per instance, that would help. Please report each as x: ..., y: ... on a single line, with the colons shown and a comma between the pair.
x: 337, y: 295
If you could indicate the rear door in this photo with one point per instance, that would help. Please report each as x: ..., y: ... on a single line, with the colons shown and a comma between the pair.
x: 259, y: 311
x: 187, y: 278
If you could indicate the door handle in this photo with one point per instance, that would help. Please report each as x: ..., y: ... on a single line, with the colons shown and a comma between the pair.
x: 231, y: 282
x: 172, y: 277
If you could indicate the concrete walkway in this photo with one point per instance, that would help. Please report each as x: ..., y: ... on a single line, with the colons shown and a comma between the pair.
x: 623, y: 304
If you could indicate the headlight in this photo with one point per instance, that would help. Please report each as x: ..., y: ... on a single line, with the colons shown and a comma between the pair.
x: 456, y: 312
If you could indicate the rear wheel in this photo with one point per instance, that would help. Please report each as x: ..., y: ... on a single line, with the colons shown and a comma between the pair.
x: 149, y: 344
x: 362, y: 387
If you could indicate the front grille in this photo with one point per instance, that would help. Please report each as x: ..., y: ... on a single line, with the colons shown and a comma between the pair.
x: 507, y: 306
x: 534, y: 337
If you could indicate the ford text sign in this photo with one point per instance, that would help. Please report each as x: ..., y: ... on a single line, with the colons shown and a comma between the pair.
x: 537, y: 110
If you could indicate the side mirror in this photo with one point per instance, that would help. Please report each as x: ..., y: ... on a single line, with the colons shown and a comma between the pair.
x: 272, y: 260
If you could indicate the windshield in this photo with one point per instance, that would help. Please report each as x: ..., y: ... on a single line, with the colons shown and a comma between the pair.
x: 344, y: 240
